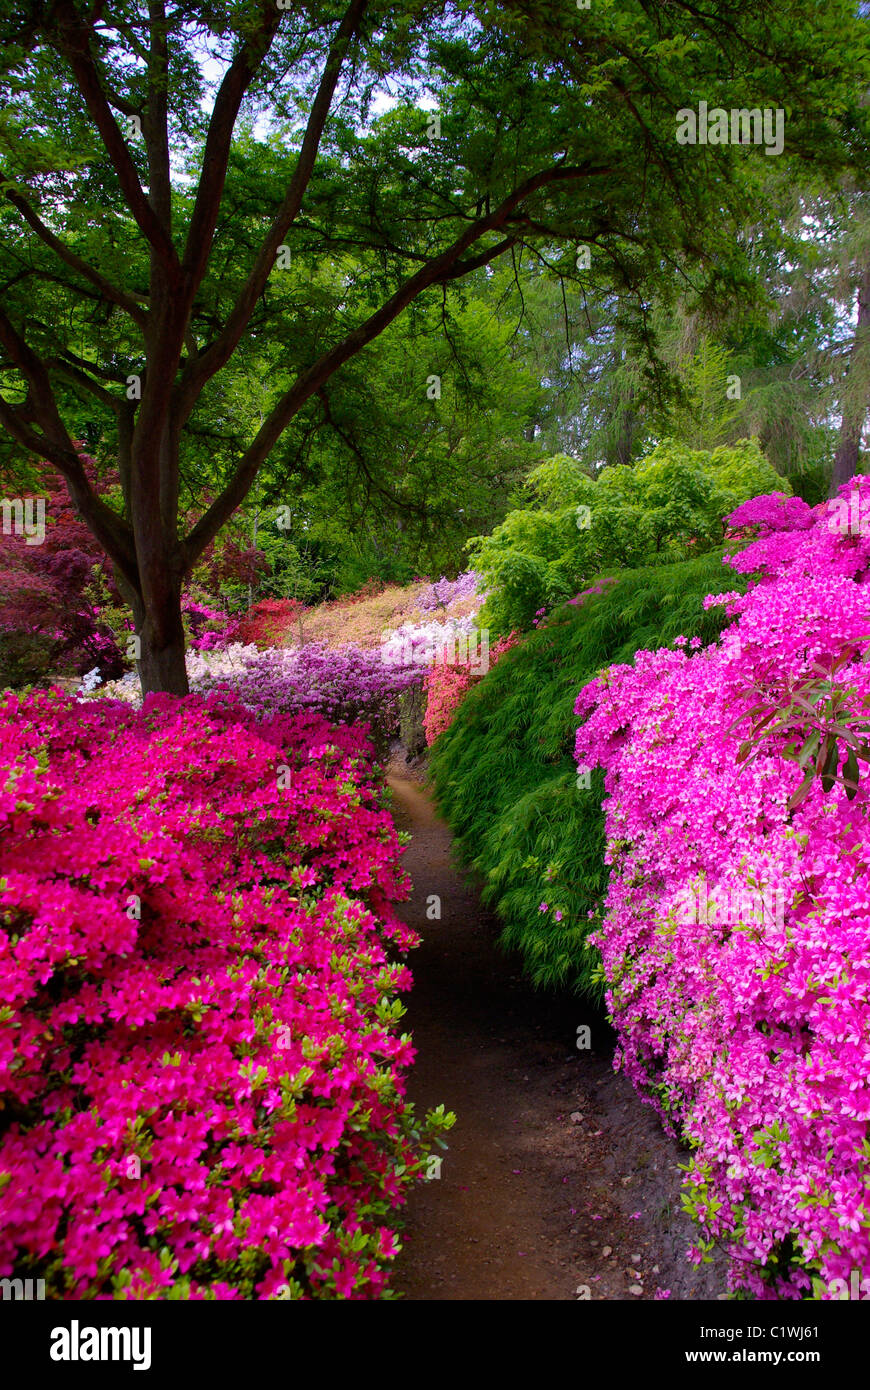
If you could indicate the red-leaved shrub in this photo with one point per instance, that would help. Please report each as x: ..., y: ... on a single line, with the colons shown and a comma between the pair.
x: 268, y: 623
x: 59, y: 607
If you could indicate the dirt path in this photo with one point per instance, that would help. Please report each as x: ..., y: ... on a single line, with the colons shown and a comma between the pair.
x: 556, y: 1177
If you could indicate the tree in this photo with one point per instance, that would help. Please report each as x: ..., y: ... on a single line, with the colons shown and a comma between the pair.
x: 401, y: 474
x: 854, y: 285
x: 157, y: 215
x: 775, y: 357
x: 590, y: 348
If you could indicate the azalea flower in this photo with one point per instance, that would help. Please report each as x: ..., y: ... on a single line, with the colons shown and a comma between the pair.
x: 737, y: 993
x: 193, y: 968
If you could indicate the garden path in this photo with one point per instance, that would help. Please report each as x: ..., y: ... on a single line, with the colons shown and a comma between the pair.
x: 553, y: 1160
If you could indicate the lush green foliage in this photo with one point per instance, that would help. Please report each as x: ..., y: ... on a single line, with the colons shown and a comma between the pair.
x: 667, y: 508
x: 301, y: 198
x: 505, y: 777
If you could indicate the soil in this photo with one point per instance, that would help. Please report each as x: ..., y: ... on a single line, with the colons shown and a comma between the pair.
x: 558, y: 1183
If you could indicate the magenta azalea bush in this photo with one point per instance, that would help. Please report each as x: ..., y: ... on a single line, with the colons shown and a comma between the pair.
x: 200, y: 1072
x: 736, y: 933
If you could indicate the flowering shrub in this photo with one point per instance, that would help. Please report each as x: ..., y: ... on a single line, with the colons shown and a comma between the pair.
x: 504, y: 773
x: 359, y: 618
x: 347, y: 685
x: 362, y: 618
x: 369, y: 590
x: 209, y: 629
x: 421, y: 644
x: 446, y: 686
x: 736, y: 935
x: 268, y: 623
x: 446, y: 591
x: 200, y: 1075
x: 204, y: 667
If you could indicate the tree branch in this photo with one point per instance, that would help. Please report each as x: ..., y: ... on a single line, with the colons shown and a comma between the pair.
x: 45, y: 234
x: 441, y: 267
x: 78, y: 375
x: 236, y: 81
x: 156, y: 124
x: 220, y: 351
x: 54, y: 444
x: 74, y: 46
x: 399, y: 503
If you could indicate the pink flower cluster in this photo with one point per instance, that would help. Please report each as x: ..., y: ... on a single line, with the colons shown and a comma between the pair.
x: 200, y: 1074
x: 446, y: 686
x: 736, y: 934
x: 210, y: 629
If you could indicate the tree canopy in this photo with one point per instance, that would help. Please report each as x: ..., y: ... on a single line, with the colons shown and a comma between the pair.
x: 238, y: 189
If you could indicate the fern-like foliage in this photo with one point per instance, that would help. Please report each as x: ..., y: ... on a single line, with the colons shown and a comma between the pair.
x: 504, y: 774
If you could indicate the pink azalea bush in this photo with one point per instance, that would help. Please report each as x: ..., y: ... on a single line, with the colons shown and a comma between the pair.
x: 209, y: 628
x: 200, y: 1072
x: 446, y: 685
x: 736, y: 931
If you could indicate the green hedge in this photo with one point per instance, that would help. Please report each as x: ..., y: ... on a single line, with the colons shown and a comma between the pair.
x: 504, y: 774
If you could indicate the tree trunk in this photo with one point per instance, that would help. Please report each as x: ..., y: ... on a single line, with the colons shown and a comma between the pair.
x: 625, y: 439
x: 854, y: 411
x: 847, y: 455
x: 161, y: 664
x: 161, y: 561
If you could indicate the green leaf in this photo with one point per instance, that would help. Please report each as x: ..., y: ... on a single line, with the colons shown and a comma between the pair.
x: 850, y: 775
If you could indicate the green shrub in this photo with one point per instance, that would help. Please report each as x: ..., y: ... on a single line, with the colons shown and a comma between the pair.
x: 26, y: 658
x: 667, y: 508
x: 504, y: 774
